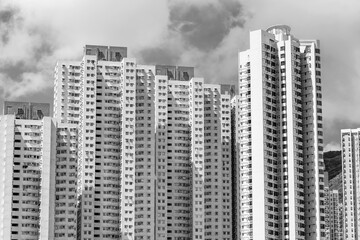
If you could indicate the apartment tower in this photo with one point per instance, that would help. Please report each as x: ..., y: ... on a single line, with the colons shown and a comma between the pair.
x: 279, y: 138
x: 333, y: 210
x: 154, y: 159
x: 38, y: 179
x: 27, y: 157
x: 350, y: 178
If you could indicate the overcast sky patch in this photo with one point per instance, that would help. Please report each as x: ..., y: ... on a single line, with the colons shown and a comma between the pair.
x: 206, y: 34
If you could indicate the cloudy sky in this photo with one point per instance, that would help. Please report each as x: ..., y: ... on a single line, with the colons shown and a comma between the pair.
x: 206, y: 34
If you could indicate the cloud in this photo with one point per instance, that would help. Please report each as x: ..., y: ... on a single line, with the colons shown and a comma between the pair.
x: 203, y: 34
x: 206, y: 34
x: 35, y: 35
x: 165, y: 53
x: 9, y: 19
x: 209, y: 34
x: 205, y: 26
x: 26, y: 49
x: 332, y: 128
x: 332, y: 146
x: 30, y: 83
x: 336, y: 25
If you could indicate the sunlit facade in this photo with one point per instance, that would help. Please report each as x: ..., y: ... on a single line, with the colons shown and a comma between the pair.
x: 350, y: 178
x: 38, y: 175
x: 154, y: 152
x: 279, y: 138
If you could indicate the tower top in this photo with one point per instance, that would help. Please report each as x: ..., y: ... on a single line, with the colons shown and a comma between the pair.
x: 281, y: 32
x: 279, y: 28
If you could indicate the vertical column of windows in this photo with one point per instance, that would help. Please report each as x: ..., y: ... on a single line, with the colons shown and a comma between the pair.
x: 197, y: 156
x: 225, y: 184
x: 108, y: 152
x: 271, y: 139
x: 235, y: 166
x: 313, y: 139
x: 217, y: 168
x: 161, y: 156
x: 243, y: 115
x: 27, y: 172
x: 348, y: 183
x: 58, y: 98
x: 319, y: 137
x: 293, y: 144
x: 66, y: 92
x: 213, y: 160
x: 178, y: 168
x: 356, y: 178
x: 128, y: 148
x: 145, y: 153
x: 65, y: 183
x: 86, y: 162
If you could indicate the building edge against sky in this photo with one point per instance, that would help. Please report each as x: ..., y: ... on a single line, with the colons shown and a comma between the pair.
x: 350, y: 154
x: 281, y: 163
x: 37, y: 185
x: 170, y: 186
x: 334, y: 212
x: 160, y: 153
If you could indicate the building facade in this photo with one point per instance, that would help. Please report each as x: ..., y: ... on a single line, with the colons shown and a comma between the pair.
x: 30, y: 187
x: 27, y: 190
x: 154, y: 152
x: 279, y: 138
x: 65, y: 211
x: 350, y: 179
x: 333, y: 212
x: 140, y: 152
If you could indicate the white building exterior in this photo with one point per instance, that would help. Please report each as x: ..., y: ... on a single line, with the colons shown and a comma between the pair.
x: 154, y: 153
x: 38, y: 179
x: 65, y: 214
x: 279, y: 138
x: 351, y: 181
x: 27, y: 185
x: 218, y: 165
x: 333, y: 215
x: 67, y: 91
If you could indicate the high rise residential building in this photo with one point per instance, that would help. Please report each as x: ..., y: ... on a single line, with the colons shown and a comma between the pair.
x: 30, y: 170
x: 27, y: 160
x: 27, y: 110
x: 350, y: 179
x: 279, y: 138
x: 65, y: 209
x: 67, y: 84
x: 154, y: 152
x: 235, y: 165
x: 333, y: 217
